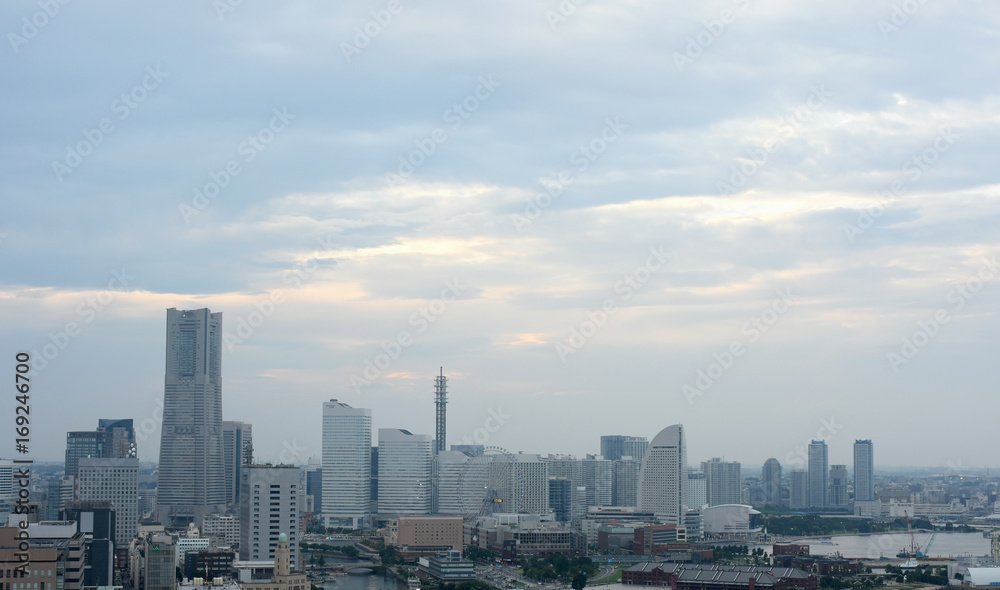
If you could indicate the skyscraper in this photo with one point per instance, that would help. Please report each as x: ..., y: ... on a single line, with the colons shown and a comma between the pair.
x: 86, y: 443
x: 597, y: 475
x: 696, y: 496
x: 616, y: 446
x: 237, y: 451
x: 771, y: 482
x: 122, y: 437
x: 404, y: 472
x: 663, y: 476
x: 347, y: 464
x: 191, y: 480
x: 819, y: 473
x: 838, y: 486
x: 626, y: 481
x: 798, y: 489
x: 723, y: 481
x: 864, y: 481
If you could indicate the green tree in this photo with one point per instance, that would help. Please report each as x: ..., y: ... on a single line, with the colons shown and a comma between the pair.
x: 579, y: 580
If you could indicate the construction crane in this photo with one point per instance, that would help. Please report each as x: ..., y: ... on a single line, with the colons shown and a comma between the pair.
x: 913, y: 544
x: 927, y: 548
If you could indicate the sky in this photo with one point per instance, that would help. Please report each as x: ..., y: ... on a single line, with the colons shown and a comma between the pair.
x: 768, y: 221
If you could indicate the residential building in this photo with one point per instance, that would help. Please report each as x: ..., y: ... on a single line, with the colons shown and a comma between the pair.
x: 626, y: 481
x: 819, y: 473
x: 616, y: 446
x: 864, y: 479
x: 723, y: 481
x: 798, y: 489
x: 838, y: 486
x: 771, y: 482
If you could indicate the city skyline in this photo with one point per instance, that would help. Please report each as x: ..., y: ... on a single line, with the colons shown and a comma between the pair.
x: 770, y: 230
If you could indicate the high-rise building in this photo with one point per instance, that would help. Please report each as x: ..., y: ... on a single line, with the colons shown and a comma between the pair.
x: 864, y: 480
x: 347, y: 464
x: 626, y: 481
x: 663, y: 476
x: 597, y: 475
x: 237, y: 451
x: 122, y: 437
x: 838, y: 486
x: 192, y: 481
x: 696, y: 495
x: 526, y: 491
x: 771, y: 482
x: 314, y: 489
x: 404, y: 472
x: 96, y: 520
x: 269, y: 508
x: 616, y: 446
x: 115, y: 481
x: 819, y: 473
x: 561, y: 498
x: 86, y: 443
x: 798, y: 489
x: 723, y: 481
x: 451, y: 467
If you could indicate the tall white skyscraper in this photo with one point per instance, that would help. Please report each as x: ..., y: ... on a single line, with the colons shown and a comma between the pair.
x: 819, y: 473
x: 771, y: 482
x: 404, y: 472
x: 526, y: 489
x: 347, y: 464
x: 663, y: 476
x: 191, y: 481
x: 864, y: 480
x: 723, y: 481
x: 270, y: 506
x: 115, y: 481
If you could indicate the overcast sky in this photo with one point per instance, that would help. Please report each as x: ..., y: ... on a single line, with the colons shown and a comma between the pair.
x: 599, y: 217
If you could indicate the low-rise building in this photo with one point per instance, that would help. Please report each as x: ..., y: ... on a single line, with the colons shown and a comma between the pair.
x: 416, y: 536
x: 680, y: 576
x: 448, y: 566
